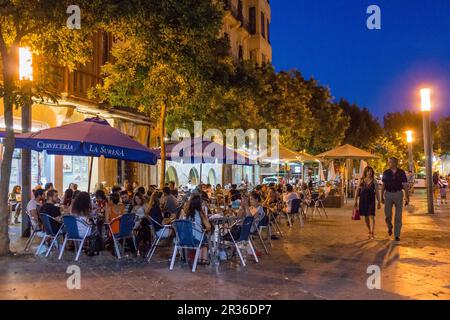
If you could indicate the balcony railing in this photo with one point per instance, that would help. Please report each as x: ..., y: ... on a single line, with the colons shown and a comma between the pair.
x: 237, y: 13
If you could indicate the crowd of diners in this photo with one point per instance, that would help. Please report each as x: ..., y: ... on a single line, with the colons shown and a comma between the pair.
x: 155, y: 207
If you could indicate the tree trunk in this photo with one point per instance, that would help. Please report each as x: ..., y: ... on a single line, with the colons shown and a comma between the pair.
x: 26, y: 168
x: 162, y: 135
x: 10, y: 66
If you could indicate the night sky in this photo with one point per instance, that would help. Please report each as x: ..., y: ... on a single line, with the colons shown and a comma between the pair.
x: 378, y: 69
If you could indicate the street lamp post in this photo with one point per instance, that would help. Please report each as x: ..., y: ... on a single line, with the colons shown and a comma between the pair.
x: 409, y: 140
x: 426, y: 109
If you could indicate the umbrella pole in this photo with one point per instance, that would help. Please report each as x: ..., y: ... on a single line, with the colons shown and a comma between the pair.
x: 90, y: 173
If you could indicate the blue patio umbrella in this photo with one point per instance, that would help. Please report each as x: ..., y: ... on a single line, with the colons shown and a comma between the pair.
x: 93, y: 137
x: 197, y: 150
x: 200, y: 151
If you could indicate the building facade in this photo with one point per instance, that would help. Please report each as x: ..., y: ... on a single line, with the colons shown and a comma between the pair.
x: 74, y: 105
x: 247, y: 26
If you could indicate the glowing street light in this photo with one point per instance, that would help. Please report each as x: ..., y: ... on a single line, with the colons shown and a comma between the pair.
x: 425, y: 97
x: 409, y: 136
x: 25, y: 64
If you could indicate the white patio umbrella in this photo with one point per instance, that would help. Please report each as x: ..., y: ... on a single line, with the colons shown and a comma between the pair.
x: 321, y: 175
x: 331, y: 172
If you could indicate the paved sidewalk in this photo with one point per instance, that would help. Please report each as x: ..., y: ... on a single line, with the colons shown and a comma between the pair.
x: 327, y: 259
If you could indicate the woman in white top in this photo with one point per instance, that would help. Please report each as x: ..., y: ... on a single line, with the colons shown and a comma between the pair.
x: 195, y: 213
x: 139, y: 208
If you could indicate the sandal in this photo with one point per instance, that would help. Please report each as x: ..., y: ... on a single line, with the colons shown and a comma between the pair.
x: 203, y: 262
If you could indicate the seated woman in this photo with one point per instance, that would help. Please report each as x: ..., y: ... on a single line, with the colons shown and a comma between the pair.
x: 100, y: 202
x: 272, y: 200
x: 67, y: 198
x: 196, y: 214
x: 157, y: 217
x: 250, y: 207
x: 82, y: 208
x: 113, y: 210
x: 256, y: 209
x: 139, y: 208
x: 14, y: 199
x: 306, y: 194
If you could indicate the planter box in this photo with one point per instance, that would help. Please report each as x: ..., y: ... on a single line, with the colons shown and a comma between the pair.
x: 334, y: 202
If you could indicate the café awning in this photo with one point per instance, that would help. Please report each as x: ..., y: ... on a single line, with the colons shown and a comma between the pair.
x: 347, y: 151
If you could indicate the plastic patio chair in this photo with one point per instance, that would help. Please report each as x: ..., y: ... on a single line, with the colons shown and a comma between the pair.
x: 35, y: 231
x: 164, y: 235
x: 244, y: 239
x: 287, y: 215
x: 50, y: 232
x: 296, y: 210
x: 71, y: 224
x: 274, y: 225
x: 185, y: 239
x: 263, y: 224
x: 316, y: 205
x: 126, y: 225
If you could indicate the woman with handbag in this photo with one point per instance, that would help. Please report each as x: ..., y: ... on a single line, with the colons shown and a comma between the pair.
x: 367, y: 192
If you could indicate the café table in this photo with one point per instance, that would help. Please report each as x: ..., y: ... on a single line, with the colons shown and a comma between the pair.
x: 219, y: 223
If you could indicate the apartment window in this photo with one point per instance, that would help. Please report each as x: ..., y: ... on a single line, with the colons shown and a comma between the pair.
x: 105, y: 48
x: 240, y: 13
x: 226, y: 36
x: 263, y: 25
x: 268, y: 30
x: 252, y: 20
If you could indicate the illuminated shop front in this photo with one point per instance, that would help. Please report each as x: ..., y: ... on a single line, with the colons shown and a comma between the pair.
x: 63, y: 170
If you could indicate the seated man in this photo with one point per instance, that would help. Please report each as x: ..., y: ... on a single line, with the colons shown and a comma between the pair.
x: 125, y: 200
x: 34, y: 205
x: 50, y: 208
x: 288, y: 197
x: 169, y: 202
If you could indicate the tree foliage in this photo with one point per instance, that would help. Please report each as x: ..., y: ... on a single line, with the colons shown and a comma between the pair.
x: 443, y: 135
x: 363, y: 129
x: 329, y: 120
x: 40, y: 26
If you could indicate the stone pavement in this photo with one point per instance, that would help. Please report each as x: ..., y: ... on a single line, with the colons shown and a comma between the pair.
x: 327, y: 259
